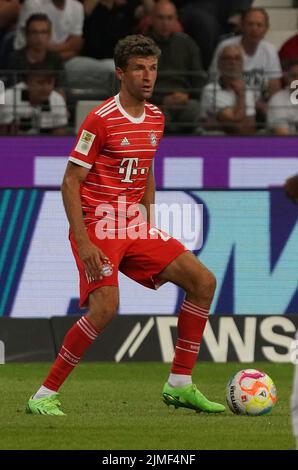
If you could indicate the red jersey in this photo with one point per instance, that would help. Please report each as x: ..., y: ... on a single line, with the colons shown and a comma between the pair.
x: 118, y: 149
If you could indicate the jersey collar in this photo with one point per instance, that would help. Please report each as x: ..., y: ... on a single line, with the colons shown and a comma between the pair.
x: 135, y: 120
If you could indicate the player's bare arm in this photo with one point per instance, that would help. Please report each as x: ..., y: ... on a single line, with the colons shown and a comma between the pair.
x: 148, y: 200
x: 91, y: 256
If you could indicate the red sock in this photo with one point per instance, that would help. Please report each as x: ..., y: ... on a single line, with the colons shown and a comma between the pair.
x: 75, y: 343
x: 191, y: 324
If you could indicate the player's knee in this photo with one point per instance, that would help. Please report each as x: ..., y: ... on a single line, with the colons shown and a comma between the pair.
x: 211, y: 283
x: 106, y: 310
x: 101, y: 315
x: 103, y: 306
x: 204, y: 286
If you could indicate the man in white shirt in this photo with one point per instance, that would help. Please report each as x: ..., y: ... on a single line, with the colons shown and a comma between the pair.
x: 282, y: 117
x: 227, y: 104
x: 34, y: 107
x: 66, y: 17
x: 260, y: 58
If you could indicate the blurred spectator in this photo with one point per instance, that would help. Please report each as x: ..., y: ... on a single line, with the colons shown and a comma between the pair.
x: 227, y: 104
x: 37, y: 33
x: 179, y: 71
x: 206, y: 20
x: 145, y: 8
x: 145, y: 19
x: 66, y: 17
x: 289, y: 51
x: 34, y: 107
x: 92, y: 75
x: 261, y: 62
x: 282, y: 118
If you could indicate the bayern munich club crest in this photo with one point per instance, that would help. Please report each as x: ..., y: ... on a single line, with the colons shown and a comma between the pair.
x: 153, y: 139
x: 106, y: 270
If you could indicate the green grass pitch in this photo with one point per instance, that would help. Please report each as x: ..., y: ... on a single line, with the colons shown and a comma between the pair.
x: 119, y: 406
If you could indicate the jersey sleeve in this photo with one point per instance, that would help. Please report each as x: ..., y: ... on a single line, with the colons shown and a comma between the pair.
x: 90, y: 140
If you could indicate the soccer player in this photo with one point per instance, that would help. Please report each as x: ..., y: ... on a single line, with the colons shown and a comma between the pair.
x: 109, y: 173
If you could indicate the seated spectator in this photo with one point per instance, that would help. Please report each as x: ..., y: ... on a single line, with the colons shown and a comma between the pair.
x: 144, y: 9
x: 37, y: 33
x: 66, y: 17
x: 180, y: 74
x: 93, y: 74
x: 289, y: 51
x: 227, y: 104
x: 34, y: 107
x: 260, y: 59
x: 282, y: 118
x: 143, y: 14
x: 84, y: 75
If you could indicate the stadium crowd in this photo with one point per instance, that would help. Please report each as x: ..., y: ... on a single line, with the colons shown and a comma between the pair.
x: 217, y: 72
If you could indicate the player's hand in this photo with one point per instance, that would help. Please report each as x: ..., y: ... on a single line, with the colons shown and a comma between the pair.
x: 291, y: 188
x: 92, y: 258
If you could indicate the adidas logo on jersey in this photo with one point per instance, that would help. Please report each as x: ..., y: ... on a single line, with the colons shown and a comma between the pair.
x: 125, y: 141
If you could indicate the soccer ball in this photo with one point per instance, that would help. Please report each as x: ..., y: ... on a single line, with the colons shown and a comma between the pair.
x: 251, y: 392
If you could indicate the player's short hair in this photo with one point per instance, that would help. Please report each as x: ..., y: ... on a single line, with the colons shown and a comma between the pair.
x: 132, y: 46
x: 258, y: 9
x: 37, y: 17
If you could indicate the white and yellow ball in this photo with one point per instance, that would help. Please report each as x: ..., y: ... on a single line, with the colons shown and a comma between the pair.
x: 251, y: 392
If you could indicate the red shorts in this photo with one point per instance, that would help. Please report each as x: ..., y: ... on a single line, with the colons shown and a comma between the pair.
x: 141, y: 259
